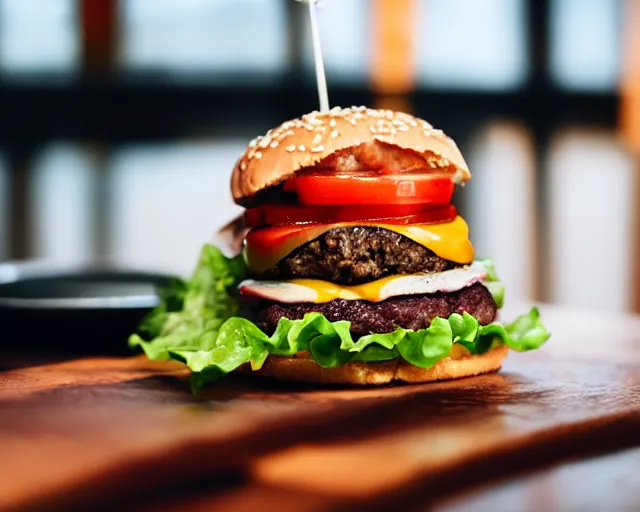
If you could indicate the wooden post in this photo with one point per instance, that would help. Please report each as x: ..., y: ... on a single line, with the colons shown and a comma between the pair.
x: 98, y: 30
x: 630, y: 123
x: 393, y: 53
x: 19, y: 159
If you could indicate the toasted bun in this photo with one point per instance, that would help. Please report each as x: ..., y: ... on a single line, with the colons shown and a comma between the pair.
x: 306, y: 141
x: 303, y: 369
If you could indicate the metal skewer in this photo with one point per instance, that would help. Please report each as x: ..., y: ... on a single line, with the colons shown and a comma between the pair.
x: 321, y: 80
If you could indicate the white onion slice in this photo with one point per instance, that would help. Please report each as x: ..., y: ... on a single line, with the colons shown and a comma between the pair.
x: 414, y: 284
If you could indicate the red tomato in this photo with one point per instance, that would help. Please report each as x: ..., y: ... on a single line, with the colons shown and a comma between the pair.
x: 283, y: 215
x: 266, y: 246
x: 335, y: 189
x: 254, y: 217
x: 265, y: 239
x: 433, y: 216
x: 289, y: 185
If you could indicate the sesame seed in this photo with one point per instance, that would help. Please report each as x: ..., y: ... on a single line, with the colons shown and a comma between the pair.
x: 274, y: 144
x: 264, y: 143
x: 291, y: 148
x: 301, y: 147
x: 413, y: 123
x: 317, y: 149
x: 317, y: 140
x: 334, y: 134
x: 373, y: 129
x: 308, y: 127
x: 253, y: 143
x: 243, y: 165
x: 258, y: 155
x: 332, y: 123
x: 353, y: 121
x: 403, y: 128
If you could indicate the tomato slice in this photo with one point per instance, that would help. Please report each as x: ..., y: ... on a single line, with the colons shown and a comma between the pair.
x: 254, y: 217
x: 289, y: 185
x: 336, y: 189
x: 435, y: 216
x: 284, y: 215
x: 263, y: 240
x: 266, y: 246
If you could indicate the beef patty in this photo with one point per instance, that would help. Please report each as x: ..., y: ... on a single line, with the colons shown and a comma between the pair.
x: 358, y: 254
x: 411, y: 312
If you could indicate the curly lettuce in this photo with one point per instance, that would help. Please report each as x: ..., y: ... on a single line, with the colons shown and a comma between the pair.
x: 198, y: 322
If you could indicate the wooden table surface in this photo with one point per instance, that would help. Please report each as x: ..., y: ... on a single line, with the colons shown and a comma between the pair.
x: 556, y: 429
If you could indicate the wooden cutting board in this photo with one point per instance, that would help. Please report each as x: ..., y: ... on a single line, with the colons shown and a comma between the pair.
x: 127, y: 432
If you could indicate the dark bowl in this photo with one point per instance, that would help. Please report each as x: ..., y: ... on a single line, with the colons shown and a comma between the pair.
x: 75, y: 308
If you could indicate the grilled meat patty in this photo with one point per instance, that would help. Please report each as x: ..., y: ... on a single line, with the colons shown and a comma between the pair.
x: 358, y: 254
x: 410, y: 312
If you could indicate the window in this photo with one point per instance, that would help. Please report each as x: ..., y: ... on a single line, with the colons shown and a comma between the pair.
x: 467, y: 44
x: 500, y: 200
x: 344, y: 31
x: 62, y: 194
x: 585, y: 43
x: 223, y: 37
x: 591, y: 200
x: 168, y: 200
x: 38, y: 36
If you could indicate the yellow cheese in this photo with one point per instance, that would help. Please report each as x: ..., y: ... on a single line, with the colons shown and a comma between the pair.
x: 328, y: 291
x: 449, y: 240
x: 319, y: 291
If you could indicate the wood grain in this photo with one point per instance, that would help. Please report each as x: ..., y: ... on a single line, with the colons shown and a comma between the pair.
x: 610, y: 482
x: 126, y: 432
x: 455, y: 431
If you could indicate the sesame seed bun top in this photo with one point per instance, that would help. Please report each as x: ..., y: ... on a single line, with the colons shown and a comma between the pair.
x: 307, y: 141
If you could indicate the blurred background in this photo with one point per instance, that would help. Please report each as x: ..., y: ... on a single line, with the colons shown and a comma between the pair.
x: 120, y: 121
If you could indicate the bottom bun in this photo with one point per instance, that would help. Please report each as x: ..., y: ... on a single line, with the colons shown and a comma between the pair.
x: 302, y: 368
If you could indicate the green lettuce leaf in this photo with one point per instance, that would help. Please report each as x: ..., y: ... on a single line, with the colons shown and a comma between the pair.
x: 191, y: 312
x: 195, y: 323
x: 493, y: 284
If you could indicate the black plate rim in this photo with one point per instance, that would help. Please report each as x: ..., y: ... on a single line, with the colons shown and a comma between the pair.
x: 15, y: 271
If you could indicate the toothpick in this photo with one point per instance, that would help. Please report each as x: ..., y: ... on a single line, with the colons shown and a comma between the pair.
x: 321, y: 80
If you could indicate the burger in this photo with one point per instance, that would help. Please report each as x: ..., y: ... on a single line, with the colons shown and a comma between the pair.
x: 352, y: 266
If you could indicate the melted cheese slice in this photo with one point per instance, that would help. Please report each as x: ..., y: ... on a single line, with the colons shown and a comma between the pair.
x: 317, y: 291
x: 449, y: 240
